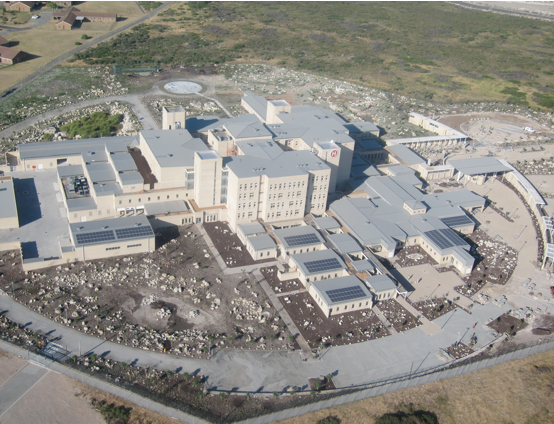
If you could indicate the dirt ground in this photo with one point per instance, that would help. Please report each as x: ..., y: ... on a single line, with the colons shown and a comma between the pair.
x: 507, y: 324
x: 229, y: 246
x: 278, y: 286
x: 397, y: 315
x: 317, y: 329
x: 518, y: 392
x: 175, y: 295
x: 54, y: 399
x: 434, y: 308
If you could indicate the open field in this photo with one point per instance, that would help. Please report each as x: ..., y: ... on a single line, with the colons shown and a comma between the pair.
x: 426, y: 50
x: 45, y: 43
x: 515, y: 392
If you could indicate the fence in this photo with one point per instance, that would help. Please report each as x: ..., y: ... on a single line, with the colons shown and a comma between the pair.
x: 304, y: 404
x: 41, y: 71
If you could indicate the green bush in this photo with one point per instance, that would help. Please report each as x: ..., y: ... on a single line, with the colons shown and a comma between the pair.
x: 47, y: 137
x: 408, y: 415
x: 99, y: 124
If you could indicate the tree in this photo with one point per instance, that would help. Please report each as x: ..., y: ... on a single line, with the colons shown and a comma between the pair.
x: 84, y: 37
x: 51, y: 5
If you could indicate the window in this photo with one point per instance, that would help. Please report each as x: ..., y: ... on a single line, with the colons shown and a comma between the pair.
x: 251, y: 196
x: 291, y: 204
x: 90, y: 213
x: 74, y: 215
x: 299, y: 193
x: 108, y: 211
x: 130, y: 201
x: 120, y: 202
x: 176, y: 196
x: 149, y: 199
x: 158, y: 197
x: 112, y: 248
x: 99, y: 212
x: 168, y: 197
x: 345, y: 307
x: 249, y: 214
x: 240, y: 187
x: 272, y: 206
x: 280, y: 195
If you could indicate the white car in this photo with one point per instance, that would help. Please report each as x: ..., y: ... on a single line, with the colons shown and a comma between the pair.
x: 35, y: 17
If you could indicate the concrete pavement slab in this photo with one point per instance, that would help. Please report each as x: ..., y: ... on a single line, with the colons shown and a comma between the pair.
x: 20, y: 384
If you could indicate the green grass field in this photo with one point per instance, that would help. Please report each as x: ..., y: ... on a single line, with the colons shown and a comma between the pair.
x: 431, y: 50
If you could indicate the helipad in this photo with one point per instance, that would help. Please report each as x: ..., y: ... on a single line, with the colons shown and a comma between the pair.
x: 183, y: 87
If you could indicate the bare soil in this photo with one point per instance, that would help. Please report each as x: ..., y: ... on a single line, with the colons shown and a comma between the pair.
x: 317, y: 329
x: 434, y: 308
x: 278, y: 286
x: 495, y: 262
x: 543, y: 325
x: 173, y: 299
x: 229, y: 246
x: 397, y: 315
x: 321, y: 383
x: 507, y: 324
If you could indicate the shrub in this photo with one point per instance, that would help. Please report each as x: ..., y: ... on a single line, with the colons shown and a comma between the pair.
x: 47, y: 137
x: 329, y: 420
x: 84, y: 37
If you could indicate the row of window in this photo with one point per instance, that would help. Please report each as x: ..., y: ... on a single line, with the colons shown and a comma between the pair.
x: 245, y: 186
x: 322, y: 277
x: 317, y: 206
x: 318, y: 178
x: 345, y: 306
x: 282, y: 204
x: 119, y: 247
x: 292, y: 184
x: 250, y: 205
x: 250, y: 196
x: 278, y: 214
x: 321, y: 187
x: 289, y: 195
x: 315, y: 197
x: 250, y: 215
x: 149, y: 199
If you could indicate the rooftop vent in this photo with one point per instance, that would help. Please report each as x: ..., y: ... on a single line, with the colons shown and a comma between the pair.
x: 105, y: 227
x: 138, y: 224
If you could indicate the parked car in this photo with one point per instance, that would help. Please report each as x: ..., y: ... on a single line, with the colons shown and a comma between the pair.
x: 35, y: 17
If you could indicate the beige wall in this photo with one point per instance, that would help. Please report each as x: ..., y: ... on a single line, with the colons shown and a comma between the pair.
x: 207, y: 181
x: 339, y: 308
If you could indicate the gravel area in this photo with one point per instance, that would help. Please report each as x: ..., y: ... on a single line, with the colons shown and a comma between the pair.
x: 173, y: 299
x: 413, y: 255
x: 317, y: 329
x: 397, y: 315
x: 229, y: 246
x: 278, y: 286
x: 434, y: 308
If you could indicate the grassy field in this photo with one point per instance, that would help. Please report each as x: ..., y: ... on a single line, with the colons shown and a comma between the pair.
x: 520, y: 391
x: 46, y: 43
x: 430, y: 50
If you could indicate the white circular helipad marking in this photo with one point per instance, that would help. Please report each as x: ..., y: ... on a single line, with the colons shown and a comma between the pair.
x: 183, y: 87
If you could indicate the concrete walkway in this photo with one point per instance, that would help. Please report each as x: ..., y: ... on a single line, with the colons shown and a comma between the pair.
x: 426, y: 325
x: 284, y: 315
x: 384, y: 320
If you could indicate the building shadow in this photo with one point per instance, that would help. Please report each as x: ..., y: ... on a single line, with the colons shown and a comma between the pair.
x: 12, y: 44
x: 29, y: 56
x: 28, y: 203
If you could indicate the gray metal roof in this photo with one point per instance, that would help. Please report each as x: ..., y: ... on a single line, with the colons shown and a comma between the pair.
x: 530, y: 188
x: 406, y: 155
x: 257, y: 103
x: 107, y: 189
x: 81, y: 204
x: 395, y: 170
x: 322, y: 287
x: 164, y: 208
x: 8, y: 208
x: 363, y: 126
x: 101, y: 172
x: 287, y: 164
x: 246, y: 126
x: 130, y: 178
x: 70, y: 170
x: 326, y: 223
x: 74, y: 147
x: 300, y: 259
x: 345, y: 243
x: 265, y: 149
x: 251, y: 228
x: 364, y: 265
x: 284, y: 236
x: 262, y: 242
x: 173, y: 148
x: 368, y: 145
x: 381, y: 282
x: 478, y: 166
x: 112, y: 225
x: 123, y: 162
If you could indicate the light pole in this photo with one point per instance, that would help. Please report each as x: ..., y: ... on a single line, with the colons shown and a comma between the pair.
x: 458, y: 339
x: 519, y: 235
x: 525, y: 242
x: 433, y: 292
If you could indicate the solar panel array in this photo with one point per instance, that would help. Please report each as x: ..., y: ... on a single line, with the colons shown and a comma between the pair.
x: 96, y: 237
x: 301, y: 240
x: 125, y: 233
x: 445, y: 238
x: 322, y: 265
x: 548, y: 223
x: 457, y: 221
x: 550, y: 250
x: 346, y: 293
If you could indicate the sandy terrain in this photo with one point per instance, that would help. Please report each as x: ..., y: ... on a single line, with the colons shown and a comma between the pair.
x: 53, y: 400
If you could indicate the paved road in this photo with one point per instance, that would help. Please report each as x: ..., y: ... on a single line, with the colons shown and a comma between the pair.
x: 16, y: 387
x: 270, y: 371
x: 33, y: 23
